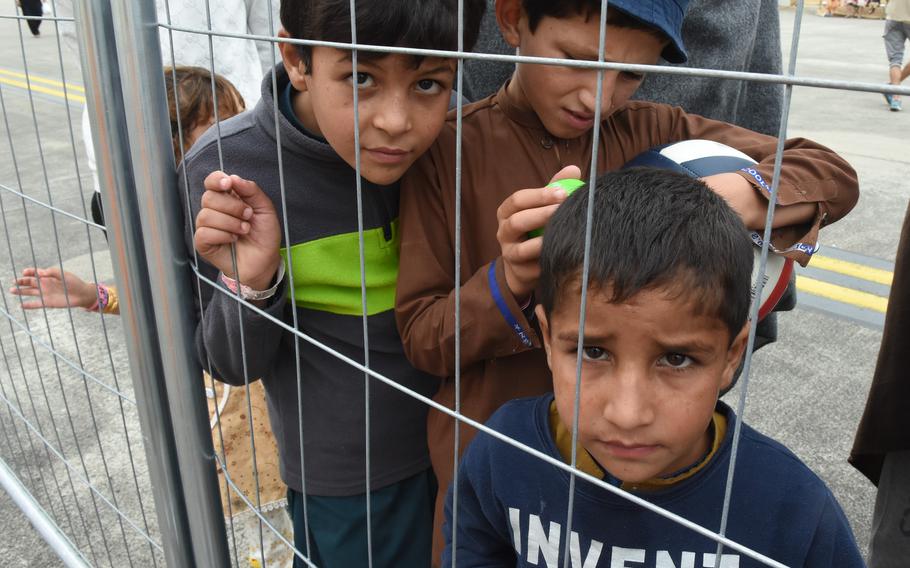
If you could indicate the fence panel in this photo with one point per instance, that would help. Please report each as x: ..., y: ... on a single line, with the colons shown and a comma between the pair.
x: 87, y: 419
x: 80, y: 391
x: 71, y: 419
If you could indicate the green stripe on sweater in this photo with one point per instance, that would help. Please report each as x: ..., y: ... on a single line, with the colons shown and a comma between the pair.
x: 327, y: 272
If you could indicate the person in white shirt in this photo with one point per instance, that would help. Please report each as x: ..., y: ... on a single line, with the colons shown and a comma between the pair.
x: 242, y: 61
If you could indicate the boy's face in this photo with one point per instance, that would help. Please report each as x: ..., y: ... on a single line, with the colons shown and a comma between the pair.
x: 402, y: 107
x: 565, y: 98
x: 652, y: 369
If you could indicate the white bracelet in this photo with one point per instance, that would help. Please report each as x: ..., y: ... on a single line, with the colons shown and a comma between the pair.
x: 247, y: 293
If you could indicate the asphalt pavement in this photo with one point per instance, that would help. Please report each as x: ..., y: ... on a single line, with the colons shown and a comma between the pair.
x: 807, y: 390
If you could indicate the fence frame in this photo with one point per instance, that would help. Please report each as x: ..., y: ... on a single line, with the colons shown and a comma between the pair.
x: 38, y: 517
x: 127, y: 110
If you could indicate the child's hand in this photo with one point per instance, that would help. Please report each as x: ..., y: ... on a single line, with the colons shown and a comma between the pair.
x: 46, y: 284
x: 235, y: 210
x: 523, y: 211
x: 741, y: 197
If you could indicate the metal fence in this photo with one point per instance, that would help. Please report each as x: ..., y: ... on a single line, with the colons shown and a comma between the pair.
x: 73, y: 414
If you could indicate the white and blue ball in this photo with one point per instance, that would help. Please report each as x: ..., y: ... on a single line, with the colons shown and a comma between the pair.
x: 700, y: 158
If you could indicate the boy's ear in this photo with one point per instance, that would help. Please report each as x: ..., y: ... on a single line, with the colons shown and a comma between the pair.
x: 508, y: 16
x: 293, y: 62
x: 544, y: 329
x: 735, y: 355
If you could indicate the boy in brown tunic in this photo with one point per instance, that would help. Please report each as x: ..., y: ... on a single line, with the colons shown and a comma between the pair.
x: 540, y: 124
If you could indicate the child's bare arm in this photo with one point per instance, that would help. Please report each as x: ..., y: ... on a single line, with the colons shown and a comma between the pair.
x: 54, y: 288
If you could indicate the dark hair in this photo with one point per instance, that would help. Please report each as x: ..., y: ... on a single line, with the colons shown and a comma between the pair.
x: 424, y: 24
x: 194, y: 94
x: 652, y: 229
x: 538, y: 9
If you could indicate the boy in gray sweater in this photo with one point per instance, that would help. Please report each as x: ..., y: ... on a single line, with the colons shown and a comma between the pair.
x: 306, y: 273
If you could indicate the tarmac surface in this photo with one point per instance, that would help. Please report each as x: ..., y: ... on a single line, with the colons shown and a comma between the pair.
x: 808, y: 390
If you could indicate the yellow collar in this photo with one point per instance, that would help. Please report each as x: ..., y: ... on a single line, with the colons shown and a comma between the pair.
x: 562, y: 436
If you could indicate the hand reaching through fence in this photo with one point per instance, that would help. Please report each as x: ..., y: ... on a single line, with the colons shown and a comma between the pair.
x: 55, y: 288
x: 236, y: 211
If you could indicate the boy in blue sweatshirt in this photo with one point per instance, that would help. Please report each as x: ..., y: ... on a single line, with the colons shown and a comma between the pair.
x: 666, y: 326
x: 295, y: 231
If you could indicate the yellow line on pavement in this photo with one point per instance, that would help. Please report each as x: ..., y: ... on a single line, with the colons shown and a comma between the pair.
x: 38, y: 79
x: 841, y: 294
x: 47, y: 91
x: 853, y: 269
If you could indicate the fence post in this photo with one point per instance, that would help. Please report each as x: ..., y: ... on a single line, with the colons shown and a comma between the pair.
x: 40, y: 520
x: 126, y: 100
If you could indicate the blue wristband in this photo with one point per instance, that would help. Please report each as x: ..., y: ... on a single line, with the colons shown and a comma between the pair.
x: 758, y: 178
x: 504, y: 307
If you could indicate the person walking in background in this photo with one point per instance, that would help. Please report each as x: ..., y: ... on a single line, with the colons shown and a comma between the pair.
x: 32, y: 8
x: 881, y: 450
x: 897, y: 32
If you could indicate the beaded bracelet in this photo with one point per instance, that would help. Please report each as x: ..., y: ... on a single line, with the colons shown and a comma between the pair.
x: 247, y: 293
x: 101, y: 299
x: 113, y: 302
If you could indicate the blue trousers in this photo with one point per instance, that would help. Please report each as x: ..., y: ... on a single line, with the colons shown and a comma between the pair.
x: 402, y: 526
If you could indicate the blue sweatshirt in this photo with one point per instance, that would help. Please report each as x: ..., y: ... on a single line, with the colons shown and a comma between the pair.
x: 512, y: 508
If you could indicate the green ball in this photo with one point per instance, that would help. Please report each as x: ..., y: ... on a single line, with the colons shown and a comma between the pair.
x: 570, y: 186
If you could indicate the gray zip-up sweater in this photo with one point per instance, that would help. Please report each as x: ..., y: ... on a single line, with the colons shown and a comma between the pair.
x: 322, y: 220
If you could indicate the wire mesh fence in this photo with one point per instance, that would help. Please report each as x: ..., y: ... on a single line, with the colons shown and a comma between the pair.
x: 70, y: 418
x: 72, y: 404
